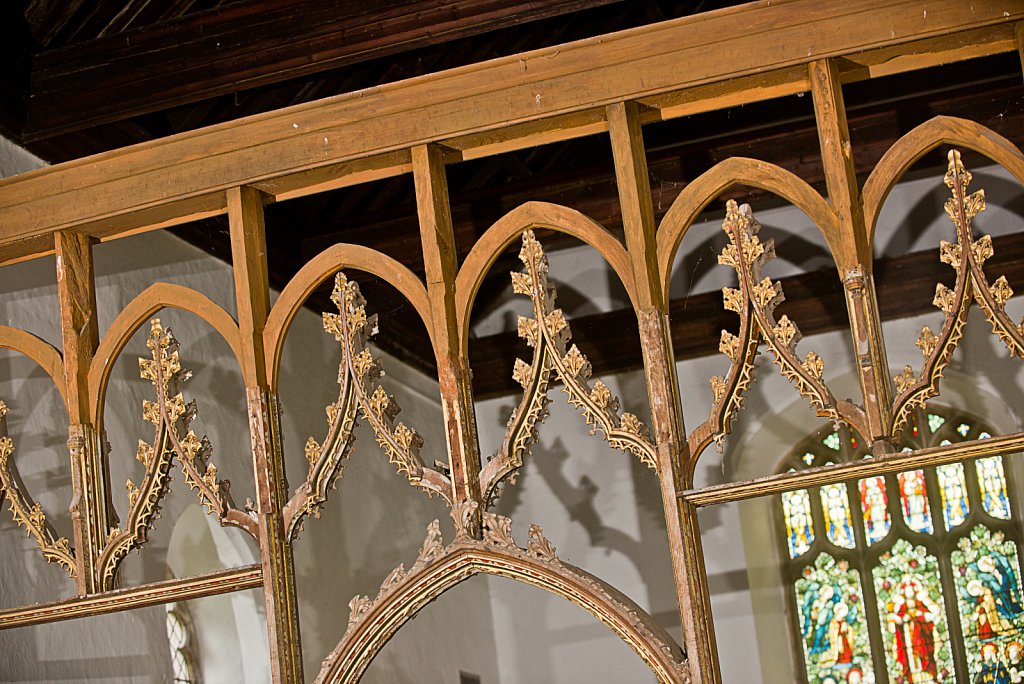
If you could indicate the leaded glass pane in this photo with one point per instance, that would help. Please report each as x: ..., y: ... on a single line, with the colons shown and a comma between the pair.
x: 935, y: 421
x: 831, y: 614
x: 992, y: 483
x: 910, y: 607
x: 874, y: 505
x: 835, y: 505
x: 953, y: 490
x: 987, y: 575
x: 914, y: 500
x: 796, y: 508
x: 832, y: 441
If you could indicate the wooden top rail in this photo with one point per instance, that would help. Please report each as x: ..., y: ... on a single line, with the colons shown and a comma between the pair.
x: 741, y: 54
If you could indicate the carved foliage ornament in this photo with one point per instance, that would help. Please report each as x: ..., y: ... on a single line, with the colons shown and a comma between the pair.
x: 438, y: 567
x: 549, y: 335
x: 27, y: 513
x: 755, y: 301
x: 966, y: 256
x: 359, y: 392
x: 170, y: 416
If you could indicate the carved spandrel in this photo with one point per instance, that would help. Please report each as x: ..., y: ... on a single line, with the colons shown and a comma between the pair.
x: 549, y: 334
x: 967, y: 257
x: 360, y: 393
x: 170, y: 416
x: 754, y: 301
x: 26, y: 512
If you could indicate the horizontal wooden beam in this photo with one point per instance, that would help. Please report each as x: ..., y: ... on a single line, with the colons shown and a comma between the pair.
x: 244, y: 45
x: 905, y: 286
x: 108, y: 194
x: 199, y: 586
x: 884, y: 465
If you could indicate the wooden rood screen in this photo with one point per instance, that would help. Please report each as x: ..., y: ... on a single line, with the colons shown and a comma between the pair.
x: 594, y: 87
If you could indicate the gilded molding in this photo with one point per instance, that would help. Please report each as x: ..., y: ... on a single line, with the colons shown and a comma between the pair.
x: 28, y: 513
x: 966, y: 256
x: 439, y: 567
x: 549, y: 335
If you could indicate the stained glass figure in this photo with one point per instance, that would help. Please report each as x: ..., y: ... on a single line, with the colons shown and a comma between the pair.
x: 835, y: 505
x: 987, y: 574
x: 953, y: 490
x: 796, y: 508
x: 935, y: 421
x: 992, y: 483
x: 910, y: 608
x: 831, y: 615
x: 874, y: 504
x: 914, y: 500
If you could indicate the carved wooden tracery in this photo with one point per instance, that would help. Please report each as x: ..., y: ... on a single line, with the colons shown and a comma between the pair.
x: 595, y: 82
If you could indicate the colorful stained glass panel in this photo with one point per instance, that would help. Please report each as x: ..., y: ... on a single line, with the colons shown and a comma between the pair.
x: 835, y: 505
x: 874, y: 504
x: 914, y: 500
x: 796, y: 509
x: 992, y: 483
x: 910, y: 608
x: 953, y: 491
x: 988, y: 582
x: 830, y: 606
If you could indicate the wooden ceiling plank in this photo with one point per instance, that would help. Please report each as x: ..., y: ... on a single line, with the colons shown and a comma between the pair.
x: 129, y: 74
x: 474, y: 99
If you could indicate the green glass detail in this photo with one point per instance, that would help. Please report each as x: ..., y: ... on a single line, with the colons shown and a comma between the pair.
x: 935, y: 421
x: 913, y: 619
x: 953, y: 491
x: 796, y: 509
x: 832, y: 441
x: 830, y: 608
x: 987, y: 574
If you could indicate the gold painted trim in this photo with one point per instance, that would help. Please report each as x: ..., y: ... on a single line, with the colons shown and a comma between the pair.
x: 199, y: 586
x: 884, y: 465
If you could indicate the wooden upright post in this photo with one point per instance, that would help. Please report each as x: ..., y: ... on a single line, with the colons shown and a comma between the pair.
x: 91, y: 511
x: 662, y: 387
x: 854, y: 258
x: 249, y: 257
x: 440, y: 260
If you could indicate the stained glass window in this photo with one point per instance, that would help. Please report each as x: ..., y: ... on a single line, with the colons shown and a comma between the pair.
x: 915, y: 501
x: 953, y: 489
x: 936, y: 550
x: 874, y: 505
x: 835, y: 505
x: 911, y: 609
x: 987, y: 574
x: 799, y: 527
x: 832, y: 623
x: 992, y: 482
